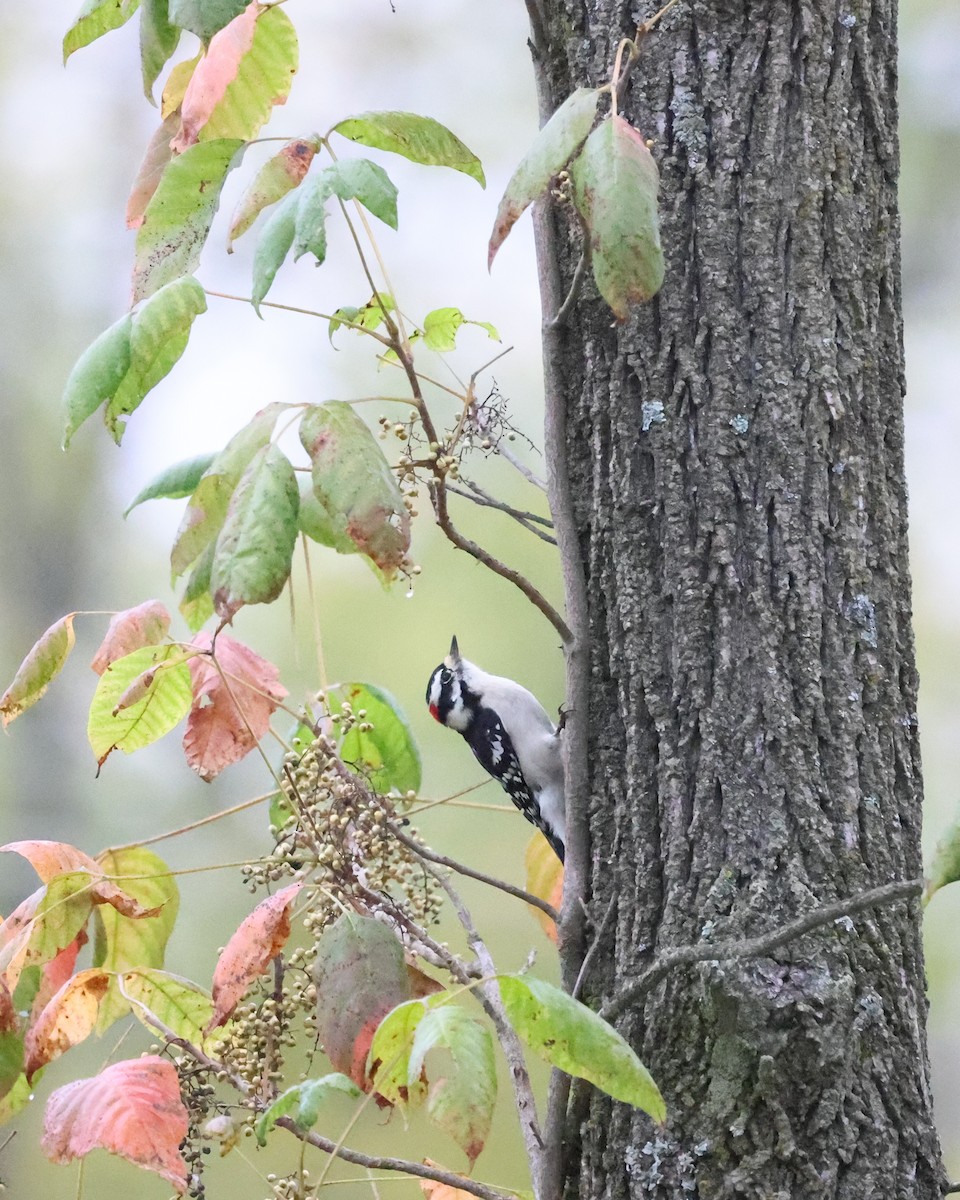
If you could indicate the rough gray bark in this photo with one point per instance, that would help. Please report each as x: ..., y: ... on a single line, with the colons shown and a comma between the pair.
x: 736, y: 496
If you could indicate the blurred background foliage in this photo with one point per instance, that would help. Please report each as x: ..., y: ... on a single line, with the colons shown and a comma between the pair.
x: 71, y: 142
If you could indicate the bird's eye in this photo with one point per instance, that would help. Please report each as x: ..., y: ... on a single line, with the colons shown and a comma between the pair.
x: 446, y: 675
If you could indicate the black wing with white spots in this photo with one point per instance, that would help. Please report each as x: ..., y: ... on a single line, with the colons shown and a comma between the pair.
x: 494, y: 751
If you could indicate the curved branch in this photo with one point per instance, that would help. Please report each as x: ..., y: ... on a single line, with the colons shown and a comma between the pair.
x: 438, y: 494
x: 888, y: 893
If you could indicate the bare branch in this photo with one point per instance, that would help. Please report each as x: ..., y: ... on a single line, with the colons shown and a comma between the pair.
x: 888, y: 893
x: 484, y: 500
x: 566, y: 308
x: 506, y: 453
x: 403, y: 1165
x: 489, y: 996
x: 438, y: 494
x: 462, y: 869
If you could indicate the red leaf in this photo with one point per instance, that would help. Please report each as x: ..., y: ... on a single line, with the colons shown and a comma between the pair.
x: 68, y: 1019
x: 259, y: 939
x: 55, y: 973
x: 155, y: 159
x: 214, y: 74
x: 8, y: 1014
x: 132, y: 1108
x: 361, y: 975
x: 145, y: 625
x: 218, y: 731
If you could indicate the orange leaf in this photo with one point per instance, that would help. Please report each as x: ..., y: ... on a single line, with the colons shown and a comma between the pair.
x: 132, y: 1108
x: 214, y: 74
x: 232, y: 707
x: 544, y: 879
x: 49, y: 859
x: 145, y: 625
x: 52, y: 858
x: 68, y: 1019
x: 441, y: 1191
x: 259, y: 939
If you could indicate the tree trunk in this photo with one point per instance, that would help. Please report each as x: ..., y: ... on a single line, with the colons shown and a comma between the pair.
x: 736, y: 493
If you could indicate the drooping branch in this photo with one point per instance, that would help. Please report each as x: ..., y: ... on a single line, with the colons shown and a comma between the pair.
x: 888, y: 893
x: 438, y: 494
x: 442, y: 860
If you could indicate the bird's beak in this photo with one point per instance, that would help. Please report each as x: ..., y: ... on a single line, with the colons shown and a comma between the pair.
x: 454, y: 650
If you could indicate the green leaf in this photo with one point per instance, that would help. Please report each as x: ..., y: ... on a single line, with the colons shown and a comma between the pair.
x: 98, y: 373
x: 205, y: 17
x: 573, y: 1038
x: 196, y: 604
x: 180, y: 1004
x: 310, y: 232
x: 96, y: 18
x: 273, y: 245
x: 354, y: 483
x: 161, y: 330
x: 370, y: 316
x: 44, y: 660
x: 554, y: 146
x: 420, y: 139
x: 615, y: 182
x: 386, y: 753
x: 945, y: 867
x: 123, y: 943
x: 205, y: 513
x: 278, y: 176
x: 263, y: 79
x: 388, y: 1061
x: 254, y: 550
x: 440, y: 328
x: 319, y: 526
x: 178, y: 218
x: 360, y: 179
x: 17, y: 1098
x: 174, y: 482
x: 302, y: 1102
x: 458, y: 1054
x: 158, y: 42
x: 165, y: 702
x: 11, y: 1060
x: 61, y: 914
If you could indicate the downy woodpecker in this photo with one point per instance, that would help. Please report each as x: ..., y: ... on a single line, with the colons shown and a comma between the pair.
x: 510, y: 734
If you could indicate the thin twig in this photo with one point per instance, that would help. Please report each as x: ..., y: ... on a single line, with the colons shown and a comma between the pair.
x: 462, y: 869
x: 489, y: 996
x: 528, y: 520
x: 508, y: 455
x: 566, y: 308
x: 406, y: 1166
x: 438, y: 494
x: 888, y: 893
x: 591, y: 954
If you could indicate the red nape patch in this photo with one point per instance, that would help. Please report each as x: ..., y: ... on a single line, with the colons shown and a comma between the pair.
x: 434, y: 712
